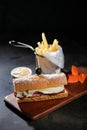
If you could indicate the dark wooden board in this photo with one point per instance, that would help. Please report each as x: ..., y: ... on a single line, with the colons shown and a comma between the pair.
x: 36, y: 110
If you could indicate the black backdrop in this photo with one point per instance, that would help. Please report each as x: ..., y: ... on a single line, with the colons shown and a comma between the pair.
x: 23, y: 17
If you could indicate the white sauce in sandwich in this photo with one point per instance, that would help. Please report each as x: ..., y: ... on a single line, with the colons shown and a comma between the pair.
x: 52, y: 90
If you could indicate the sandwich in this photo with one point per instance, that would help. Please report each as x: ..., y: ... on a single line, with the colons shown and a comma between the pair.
x: 42, y: 87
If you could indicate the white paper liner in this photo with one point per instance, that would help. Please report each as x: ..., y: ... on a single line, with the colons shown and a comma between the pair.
x: 56, y: 57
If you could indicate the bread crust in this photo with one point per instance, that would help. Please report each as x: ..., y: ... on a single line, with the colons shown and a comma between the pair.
x: 35, y: 82
x: 44, y: 97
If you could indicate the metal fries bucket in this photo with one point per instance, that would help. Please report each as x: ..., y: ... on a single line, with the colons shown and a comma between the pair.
x: 51, y: 62
x: 46, y: 65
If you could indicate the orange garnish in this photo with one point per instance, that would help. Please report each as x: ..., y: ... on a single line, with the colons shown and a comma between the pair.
x: 74, y: 70
x: 72, y: 78
x: 75, y: 77
x: 82, y: 78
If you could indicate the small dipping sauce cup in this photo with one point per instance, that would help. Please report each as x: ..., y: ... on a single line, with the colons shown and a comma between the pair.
x: 20, y: 72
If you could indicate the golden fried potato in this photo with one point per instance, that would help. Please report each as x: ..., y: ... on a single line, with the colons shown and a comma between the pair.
x: 44, y: 47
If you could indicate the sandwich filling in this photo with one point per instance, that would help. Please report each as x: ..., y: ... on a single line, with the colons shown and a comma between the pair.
x: 39, y: 92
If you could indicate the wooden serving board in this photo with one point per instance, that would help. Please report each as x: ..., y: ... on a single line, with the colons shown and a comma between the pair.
x: 36, y: 110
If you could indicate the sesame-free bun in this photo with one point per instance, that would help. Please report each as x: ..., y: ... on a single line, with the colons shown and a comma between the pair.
x: 35, y: 82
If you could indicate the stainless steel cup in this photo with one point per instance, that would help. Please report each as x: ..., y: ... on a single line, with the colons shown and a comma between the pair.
x: 46, y: 65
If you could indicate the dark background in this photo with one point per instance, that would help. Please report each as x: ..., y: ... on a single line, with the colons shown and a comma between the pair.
x: 54, y: 17
x: 24, y: 21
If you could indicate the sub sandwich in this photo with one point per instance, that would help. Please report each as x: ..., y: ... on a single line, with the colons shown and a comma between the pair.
x: 40, y: 87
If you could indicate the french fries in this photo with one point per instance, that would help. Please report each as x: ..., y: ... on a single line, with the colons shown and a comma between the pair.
x: 44, y: 47
x: 44, y: 41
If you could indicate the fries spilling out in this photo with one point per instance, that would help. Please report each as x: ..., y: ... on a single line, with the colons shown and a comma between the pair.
x: 44, y: 47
